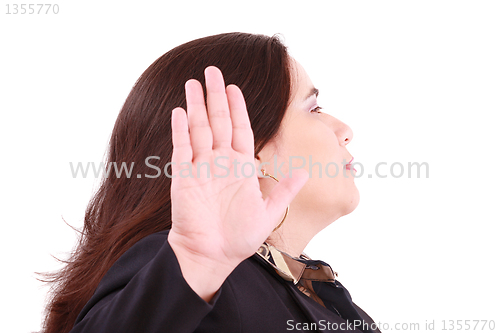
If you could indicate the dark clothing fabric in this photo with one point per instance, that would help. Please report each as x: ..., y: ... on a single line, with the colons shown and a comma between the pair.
x: 144, y: 291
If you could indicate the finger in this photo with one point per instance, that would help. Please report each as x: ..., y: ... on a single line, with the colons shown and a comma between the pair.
x: 218, y: 108
x: 199, y: 127
x: 182, y: 151
x: 283, y: 193
x: 243, y: 140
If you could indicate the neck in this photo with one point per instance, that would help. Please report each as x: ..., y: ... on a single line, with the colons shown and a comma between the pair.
x: 297, y: 231
x: 286, y: 242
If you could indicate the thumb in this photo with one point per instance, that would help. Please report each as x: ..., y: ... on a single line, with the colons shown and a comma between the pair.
x: 283, y: 193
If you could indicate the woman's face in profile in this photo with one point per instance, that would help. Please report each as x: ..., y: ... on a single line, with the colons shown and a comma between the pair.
x: 315, y: 140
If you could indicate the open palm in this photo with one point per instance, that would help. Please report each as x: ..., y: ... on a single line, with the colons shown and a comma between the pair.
x: 220, y: 216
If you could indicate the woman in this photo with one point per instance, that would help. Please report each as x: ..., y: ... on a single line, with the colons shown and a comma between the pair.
x: 202, y: 244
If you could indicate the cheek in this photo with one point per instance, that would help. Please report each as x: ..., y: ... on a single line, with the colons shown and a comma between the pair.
x: 323, y: 153
x: 317, y: 150
x: 311, y: 139
x: 314, y: 147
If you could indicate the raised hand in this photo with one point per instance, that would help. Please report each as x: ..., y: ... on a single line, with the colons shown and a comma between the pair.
x: 219, y: 219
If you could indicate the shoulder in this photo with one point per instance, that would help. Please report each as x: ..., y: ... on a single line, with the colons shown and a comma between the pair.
x: 141, y: 252
x: 133, y: 260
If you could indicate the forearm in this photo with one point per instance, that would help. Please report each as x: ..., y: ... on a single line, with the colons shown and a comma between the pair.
x: 150, y: 297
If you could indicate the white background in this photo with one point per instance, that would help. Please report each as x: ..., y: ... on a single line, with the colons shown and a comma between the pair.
x: 417, y: 81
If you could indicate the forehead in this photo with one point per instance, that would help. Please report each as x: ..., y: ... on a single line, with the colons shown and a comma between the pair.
x: 301, y: 83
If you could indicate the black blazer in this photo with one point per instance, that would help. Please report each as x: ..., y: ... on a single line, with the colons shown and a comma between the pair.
x: 144, y: 291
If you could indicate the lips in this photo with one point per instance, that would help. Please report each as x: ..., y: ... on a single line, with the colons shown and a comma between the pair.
x: 349, y: 166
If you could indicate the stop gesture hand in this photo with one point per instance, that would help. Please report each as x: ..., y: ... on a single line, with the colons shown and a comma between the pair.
x: 218, y: 219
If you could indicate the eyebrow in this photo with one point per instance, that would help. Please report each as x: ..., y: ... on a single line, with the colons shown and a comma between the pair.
x: 312, y: 92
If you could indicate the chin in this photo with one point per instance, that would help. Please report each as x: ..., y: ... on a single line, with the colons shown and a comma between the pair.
x: 351, y: 202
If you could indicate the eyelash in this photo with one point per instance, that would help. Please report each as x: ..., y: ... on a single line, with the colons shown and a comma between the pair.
x: 317, y: 109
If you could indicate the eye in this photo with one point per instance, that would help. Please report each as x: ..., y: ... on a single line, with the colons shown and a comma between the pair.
x: 317, y: 109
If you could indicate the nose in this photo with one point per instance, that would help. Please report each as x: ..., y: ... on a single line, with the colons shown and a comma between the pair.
x: 344, y: 133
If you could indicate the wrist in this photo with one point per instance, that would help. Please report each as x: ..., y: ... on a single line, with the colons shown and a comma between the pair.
x: 204, y: 275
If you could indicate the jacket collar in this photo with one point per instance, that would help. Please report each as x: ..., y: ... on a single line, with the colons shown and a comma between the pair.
x: 294, y: 269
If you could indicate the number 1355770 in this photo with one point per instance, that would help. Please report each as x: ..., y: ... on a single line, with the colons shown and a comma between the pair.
x: 32, y: 9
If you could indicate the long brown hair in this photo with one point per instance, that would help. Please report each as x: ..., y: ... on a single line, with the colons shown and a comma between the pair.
x: 124, y: 210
